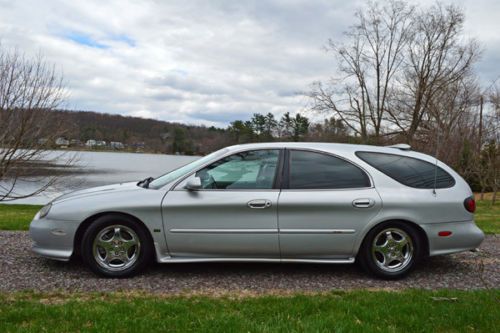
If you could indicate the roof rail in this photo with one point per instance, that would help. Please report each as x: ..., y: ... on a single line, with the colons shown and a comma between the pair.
x: 401, y: 146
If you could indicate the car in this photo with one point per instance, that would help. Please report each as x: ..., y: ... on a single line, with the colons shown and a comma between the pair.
x: 385, y: 207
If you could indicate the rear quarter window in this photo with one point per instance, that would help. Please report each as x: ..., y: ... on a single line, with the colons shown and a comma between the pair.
x: 408, y: 171
x: 314, y: 170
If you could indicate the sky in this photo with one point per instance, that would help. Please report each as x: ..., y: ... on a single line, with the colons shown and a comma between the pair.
x: 200, y: 62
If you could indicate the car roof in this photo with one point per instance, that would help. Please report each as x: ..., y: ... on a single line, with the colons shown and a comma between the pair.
x: 336, y: 148
x: 327, y: 146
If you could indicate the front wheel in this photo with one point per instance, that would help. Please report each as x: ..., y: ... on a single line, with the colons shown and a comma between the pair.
x: 116, y: 246
x: 390, y: 250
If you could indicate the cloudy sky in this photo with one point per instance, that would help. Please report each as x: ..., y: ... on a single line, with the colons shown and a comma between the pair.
x: 199, y: 62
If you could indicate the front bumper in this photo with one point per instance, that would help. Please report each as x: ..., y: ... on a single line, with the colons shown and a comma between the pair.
x: 465, y: 236
x: 53, y: 238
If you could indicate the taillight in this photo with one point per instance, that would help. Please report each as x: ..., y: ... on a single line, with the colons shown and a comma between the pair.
x: 470, y: 204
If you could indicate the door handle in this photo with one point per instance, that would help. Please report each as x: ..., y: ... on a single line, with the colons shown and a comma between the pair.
x: 363, y: 203
x: 259, y: 204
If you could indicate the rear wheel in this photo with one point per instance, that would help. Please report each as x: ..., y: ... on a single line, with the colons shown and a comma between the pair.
x: 116, y: 246
x: 390, y: 250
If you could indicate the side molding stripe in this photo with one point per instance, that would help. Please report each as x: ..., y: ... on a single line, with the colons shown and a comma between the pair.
x: 225, y: 231
x: 317, y: 231
x: 263, y: 231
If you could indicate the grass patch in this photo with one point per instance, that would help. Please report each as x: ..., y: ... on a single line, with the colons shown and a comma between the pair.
x: 355, y: 311
x: 17, y: 217
x: 487, y: 216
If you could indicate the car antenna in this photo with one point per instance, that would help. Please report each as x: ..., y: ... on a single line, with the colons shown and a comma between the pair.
x: 436, y: 163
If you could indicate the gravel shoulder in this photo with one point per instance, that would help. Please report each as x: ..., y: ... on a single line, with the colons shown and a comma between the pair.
x: 22, y: 270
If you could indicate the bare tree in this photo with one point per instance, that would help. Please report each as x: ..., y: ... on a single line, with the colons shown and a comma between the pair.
x: 368, y: 63
x: 30, y: 89
x: 493, y: 117
x: 437, y: 60
x: 451, y: 114
x: 396, y: 65
x: 493, y: 136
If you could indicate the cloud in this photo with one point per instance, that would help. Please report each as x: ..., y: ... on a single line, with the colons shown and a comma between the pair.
x: 198, y: 62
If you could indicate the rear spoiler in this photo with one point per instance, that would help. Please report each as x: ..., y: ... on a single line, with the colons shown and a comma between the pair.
x: 401, y: 146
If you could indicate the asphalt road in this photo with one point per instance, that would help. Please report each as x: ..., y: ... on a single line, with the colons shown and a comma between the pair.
x: 22, y: 270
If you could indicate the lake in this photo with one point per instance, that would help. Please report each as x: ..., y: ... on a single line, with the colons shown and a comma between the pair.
x: 100, y: 168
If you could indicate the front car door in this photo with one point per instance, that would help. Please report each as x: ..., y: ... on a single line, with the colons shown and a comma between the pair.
x: 233, y: 215
x: 325, y: 201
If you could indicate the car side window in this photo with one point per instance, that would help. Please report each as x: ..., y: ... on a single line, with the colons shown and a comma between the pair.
x: 311, y: 170
x: 408, y: 171
x: 254, y: 169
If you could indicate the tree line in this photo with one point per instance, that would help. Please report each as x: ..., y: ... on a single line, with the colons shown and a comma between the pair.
x: 267, y: 128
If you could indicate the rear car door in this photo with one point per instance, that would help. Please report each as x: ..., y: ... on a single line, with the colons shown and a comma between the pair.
x: 233, y: 215
x: 324, y: 202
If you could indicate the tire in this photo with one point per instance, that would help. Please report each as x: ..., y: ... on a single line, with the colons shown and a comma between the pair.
x: 116, y: 246
x: 390, y: 250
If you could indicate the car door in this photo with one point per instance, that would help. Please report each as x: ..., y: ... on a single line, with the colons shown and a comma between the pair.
x: 325, y: 201
x: 232, y: 215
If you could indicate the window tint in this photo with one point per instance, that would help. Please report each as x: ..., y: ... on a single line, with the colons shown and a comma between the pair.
x: 309, y: 170
x: 408, y: 171
x: 246, y: 170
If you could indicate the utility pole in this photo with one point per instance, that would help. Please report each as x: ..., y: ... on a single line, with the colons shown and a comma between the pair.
x: 481, y: 102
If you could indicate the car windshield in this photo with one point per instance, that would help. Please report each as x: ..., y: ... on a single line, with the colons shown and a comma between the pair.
x: 172, y: 175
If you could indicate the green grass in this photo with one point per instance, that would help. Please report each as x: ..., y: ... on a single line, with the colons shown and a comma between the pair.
x: 17, y: 217
x: 356, y: 311
x: 487, y: 216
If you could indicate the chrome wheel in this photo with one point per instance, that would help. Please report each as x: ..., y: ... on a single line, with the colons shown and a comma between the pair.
x: 392, y: 250
x: 116, y: 247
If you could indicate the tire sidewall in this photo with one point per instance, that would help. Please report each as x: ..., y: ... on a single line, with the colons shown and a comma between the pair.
x: 366, y: 258
x: 102, y: 222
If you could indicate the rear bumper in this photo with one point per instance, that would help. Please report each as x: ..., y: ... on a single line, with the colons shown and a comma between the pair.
x: 465, y: 236
x: 53, y: 239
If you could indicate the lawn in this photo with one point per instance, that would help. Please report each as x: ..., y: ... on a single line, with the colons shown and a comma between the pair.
x: 487, y: 216
x: 354, y: 311
x: 18, y: 217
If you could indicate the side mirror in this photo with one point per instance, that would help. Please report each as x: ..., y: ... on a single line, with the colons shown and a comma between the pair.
x: 193, y: 184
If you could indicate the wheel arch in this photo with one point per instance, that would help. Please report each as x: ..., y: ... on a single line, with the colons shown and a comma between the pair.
x: 80, y: 231
x: 420, y: 231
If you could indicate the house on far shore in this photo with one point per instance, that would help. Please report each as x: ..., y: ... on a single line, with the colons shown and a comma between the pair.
x: 138, y: 145
x: 43, y: 141
x: 62, y: 142
x: 116, y: 145
x: 75, y: 142
x: 90, y: 143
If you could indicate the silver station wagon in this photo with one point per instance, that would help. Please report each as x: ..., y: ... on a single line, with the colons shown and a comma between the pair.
x: 386, y: 207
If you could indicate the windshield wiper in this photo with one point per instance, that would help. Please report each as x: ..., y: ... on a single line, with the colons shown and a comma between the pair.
x: 145, y: 182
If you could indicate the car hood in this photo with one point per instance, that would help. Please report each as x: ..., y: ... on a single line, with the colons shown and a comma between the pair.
x: 93, y: 191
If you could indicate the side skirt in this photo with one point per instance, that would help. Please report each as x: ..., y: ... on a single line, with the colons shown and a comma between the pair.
x: 169, y: 259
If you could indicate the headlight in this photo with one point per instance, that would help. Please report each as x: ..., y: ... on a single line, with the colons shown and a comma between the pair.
x: 44, y: 211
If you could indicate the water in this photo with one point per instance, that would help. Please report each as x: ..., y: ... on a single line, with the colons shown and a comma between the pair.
x: 99, y: 168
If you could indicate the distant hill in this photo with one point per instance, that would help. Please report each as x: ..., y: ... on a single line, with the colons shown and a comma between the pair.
x: 138, y: 133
